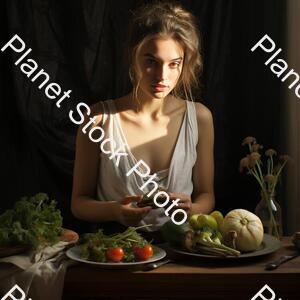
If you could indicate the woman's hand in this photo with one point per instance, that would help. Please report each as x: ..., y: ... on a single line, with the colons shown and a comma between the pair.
x: 185, y: 202
x: 129, y: 215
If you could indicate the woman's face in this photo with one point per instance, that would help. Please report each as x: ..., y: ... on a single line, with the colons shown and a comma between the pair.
x: 160, y: 64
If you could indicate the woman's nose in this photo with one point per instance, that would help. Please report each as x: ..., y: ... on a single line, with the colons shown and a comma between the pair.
x: 161, y: 72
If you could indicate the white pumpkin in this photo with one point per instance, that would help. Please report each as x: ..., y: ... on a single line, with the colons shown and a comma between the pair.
x: 248, y: 226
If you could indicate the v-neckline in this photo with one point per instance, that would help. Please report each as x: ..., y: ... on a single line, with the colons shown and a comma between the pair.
x: 127, y: 145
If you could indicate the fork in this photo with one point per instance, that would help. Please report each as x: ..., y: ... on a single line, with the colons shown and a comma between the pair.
x: 276, y: 263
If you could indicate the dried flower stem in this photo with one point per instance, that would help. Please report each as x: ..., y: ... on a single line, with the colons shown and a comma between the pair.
x: 277, y: 176
x: 268, y: 181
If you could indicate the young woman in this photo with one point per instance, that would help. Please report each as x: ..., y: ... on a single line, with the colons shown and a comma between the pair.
x: 157, y: 123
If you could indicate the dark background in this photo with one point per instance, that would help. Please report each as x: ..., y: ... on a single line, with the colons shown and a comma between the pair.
x: 80, y: 44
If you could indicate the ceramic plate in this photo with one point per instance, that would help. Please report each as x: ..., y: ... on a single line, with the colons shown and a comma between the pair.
x: 269, y: 245
x: 74, y: 253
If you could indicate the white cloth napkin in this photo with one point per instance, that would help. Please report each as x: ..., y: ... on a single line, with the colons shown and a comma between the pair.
x: 40, y: 275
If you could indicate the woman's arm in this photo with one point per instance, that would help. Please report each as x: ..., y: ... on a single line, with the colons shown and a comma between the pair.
x: 202, y: 199
x: 203, y: 171
x: 84, y: 204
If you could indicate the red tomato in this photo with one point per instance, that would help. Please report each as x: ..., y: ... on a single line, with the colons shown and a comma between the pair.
x: 114, y: 254
x: 143, y: 253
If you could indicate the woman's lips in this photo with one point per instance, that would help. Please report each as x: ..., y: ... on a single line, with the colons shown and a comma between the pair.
x: 159, y: 87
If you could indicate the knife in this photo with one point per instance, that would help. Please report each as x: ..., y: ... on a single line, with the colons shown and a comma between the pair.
x: 274, y: 264
x: 156, y: 265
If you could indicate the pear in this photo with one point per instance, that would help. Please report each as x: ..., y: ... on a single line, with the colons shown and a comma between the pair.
x: 218, y: 216
x: 207, y: 220
x: 194, y: 221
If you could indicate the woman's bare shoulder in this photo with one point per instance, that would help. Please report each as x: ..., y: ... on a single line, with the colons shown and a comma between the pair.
x: 97, y: 111
x: 204, y: 115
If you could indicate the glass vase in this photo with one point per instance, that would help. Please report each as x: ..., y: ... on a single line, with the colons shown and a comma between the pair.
x: 269, y: 211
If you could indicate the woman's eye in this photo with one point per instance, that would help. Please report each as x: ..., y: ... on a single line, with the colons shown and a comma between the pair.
x: 150, y: 61
x: 174, y: 65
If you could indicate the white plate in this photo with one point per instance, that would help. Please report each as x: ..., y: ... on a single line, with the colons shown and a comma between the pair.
x: 74, y: 253
x: 269, y: 245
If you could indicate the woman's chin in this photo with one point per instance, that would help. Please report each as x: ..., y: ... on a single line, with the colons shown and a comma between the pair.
x: 159, y: 94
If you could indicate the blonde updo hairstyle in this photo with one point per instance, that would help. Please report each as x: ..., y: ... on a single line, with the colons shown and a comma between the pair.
x: 167, y: 20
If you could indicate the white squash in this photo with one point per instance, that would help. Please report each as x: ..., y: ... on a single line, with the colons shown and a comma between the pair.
x: 248, y: 226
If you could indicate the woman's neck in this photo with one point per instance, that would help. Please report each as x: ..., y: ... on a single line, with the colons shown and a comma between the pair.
x: 153, y: 107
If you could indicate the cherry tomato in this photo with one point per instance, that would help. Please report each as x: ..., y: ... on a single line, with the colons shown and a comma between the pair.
x: 143, y: 253
x: 114, y: 254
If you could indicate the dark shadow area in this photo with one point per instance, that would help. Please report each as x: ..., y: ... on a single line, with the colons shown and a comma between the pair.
x: 81, y: 44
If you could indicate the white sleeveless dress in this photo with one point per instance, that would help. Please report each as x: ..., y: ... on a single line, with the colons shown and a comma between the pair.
x: 113, y: 184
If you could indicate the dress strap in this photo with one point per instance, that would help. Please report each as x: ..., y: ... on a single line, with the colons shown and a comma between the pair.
x: 192, y: 120
x: 105, y: 112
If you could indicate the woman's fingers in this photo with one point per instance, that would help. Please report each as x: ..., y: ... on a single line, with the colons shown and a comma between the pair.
x: 182, y: 197
x: 130, y: 199
x: 137, y: 212
x: 185, y: 201
x: 132, y: 216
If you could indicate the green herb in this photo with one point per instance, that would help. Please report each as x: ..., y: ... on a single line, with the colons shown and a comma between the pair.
x: 33, y: 221
x: 95, y: 244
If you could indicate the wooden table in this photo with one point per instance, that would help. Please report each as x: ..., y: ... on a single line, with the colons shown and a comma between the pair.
x: 189, y: 278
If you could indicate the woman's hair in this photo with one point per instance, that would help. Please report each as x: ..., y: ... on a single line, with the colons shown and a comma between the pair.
x: 167, y: 20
